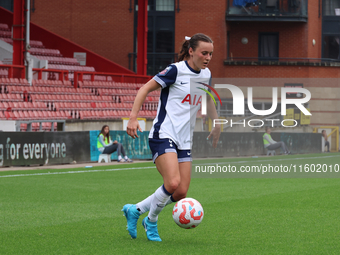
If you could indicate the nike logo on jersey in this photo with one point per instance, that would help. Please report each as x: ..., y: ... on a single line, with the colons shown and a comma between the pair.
x: 189, y: 153
x: 183, y: 83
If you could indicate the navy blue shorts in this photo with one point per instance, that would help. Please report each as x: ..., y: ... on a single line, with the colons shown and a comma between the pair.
x: 161, y: 146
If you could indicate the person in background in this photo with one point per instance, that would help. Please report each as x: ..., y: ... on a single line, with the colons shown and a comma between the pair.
x: 270, y: 144
x: 324, y: 134
x: 106, y: 146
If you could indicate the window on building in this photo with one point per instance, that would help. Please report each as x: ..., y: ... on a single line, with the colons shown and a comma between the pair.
x: 331, y: 47
x: 161, y: 34
x: 7, y: 4
x: 268, y: 46
x: 165, y: 5
x: 331, y: 7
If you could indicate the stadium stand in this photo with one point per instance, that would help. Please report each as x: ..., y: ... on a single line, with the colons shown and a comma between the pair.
x: 94, y: 96
x: 54, y: 57
x: 59, y: 100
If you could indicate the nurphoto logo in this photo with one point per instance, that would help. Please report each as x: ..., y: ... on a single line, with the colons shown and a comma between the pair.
x: 238, y: 103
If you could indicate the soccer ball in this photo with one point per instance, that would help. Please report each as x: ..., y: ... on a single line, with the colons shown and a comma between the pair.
x: 188, y: 213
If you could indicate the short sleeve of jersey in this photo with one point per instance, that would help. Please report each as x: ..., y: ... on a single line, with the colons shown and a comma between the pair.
x: 167, y: 77
x: 210, y: 83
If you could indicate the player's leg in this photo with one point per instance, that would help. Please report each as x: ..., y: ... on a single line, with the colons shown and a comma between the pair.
x: 184, y: 159
x: 180, y: 192
x: 132, y: 212
x: 167, y: 165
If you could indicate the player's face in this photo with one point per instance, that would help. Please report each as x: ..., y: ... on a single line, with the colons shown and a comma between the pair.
x: 106, y: 130
x: 202, y: 55
x: 268, y: 131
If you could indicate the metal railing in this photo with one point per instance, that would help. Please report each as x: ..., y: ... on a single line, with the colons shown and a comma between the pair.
x: 285, y: 60
x: 13, y: 71
x: 269, y: 8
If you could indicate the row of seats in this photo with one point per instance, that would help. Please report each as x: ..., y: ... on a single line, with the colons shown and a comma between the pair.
x: 131, y: 99
x: 150, y: 106
x: 4, y: 27
x: 5, y: 34
x: 22, y: 106
x: 108, y: 84
x: 61, y: 115
x: 3, y: 73
x: 72, y: 68
x: 54, y: 83
x: 13, y: 81
x: 90, y: 106
x: 69, y: 98
x: 80, y: 105
x: 11, y: 97
x: 123, y: 92
x: 47, y: 90
x: 36, y: 44
x: 45, y: 52
x: 33, y: 43
x: 36, y: 115
x: 59, y: 60
x: 112, y: 114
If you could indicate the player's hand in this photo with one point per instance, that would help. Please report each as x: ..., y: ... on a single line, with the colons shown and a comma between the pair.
x: 115, y: 142
x: 215, y: 133
x: 132, y: 128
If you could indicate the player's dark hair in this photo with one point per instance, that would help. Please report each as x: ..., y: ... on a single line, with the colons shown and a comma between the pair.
x: 192, y: 43
x: 102, y: 132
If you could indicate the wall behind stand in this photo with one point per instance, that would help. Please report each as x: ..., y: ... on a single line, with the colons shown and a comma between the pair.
x: 135, y: 148
x: 43, y: 148
x: 248, y: 144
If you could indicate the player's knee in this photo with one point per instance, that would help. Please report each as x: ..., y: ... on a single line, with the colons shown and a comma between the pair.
x: 173, y: 184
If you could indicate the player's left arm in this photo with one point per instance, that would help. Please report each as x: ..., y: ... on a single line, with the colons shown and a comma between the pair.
x: 212, y: 114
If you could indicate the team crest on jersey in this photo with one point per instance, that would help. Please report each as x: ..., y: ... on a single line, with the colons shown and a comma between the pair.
x: 165, y: 71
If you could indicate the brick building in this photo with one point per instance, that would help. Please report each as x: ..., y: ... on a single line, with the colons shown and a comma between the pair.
x: 286, y: 39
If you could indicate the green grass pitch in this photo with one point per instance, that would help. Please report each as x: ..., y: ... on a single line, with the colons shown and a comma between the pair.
x: 78, y: 211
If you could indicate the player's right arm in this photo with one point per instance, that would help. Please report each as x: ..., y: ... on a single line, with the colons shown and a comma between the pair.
x: 133, y: 124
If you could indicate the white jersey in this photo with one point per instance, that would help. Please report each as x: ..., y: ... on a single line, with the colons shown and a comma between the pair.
x: 180, y: 99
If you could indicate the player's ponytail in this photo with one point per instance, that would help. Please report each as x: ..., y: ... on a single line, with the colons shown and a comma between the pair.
x: 192, y: 42
x: 184, y: 53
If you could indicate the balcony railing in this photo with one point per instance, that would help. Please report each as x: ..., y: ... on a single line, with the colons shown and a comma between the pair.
x: 267, y: 10
x: 282, y: 61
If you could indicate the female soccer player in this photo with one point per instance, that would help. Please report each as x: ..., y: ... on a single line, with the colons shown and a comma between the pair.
x: 106, y: 146
x: 170, y: 137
